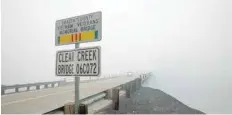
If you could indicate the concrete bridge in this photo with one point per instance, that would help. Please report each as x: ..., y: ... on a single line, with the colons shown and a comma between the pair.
x: 59, y: 93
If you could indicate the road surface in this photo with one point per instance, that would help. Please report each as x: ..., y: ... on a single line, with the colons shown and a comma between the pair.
x: 45, y: 100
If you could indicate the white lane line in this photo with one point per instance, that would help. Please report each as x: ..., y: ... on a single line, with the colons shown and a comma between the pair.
x: 12, y: 102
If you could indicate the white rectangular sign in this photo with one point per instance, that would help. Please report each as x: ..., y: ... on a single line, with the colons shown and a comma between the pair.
x: 79, y: 62
x: 79, y: 29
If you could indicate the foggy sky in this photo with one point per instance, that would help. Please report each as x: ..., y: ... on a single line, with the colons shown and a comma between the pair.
x: 185, y: 43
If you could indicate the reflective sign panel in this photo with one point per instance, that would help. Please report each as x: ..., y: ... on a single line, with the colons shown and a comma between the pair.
x: 79, y: 29
x: 78, y: 62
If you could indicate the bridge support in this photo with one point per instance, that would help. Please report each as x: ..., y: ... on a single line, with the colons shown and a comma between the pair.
x: 69, y: 108
x: 116, y: 99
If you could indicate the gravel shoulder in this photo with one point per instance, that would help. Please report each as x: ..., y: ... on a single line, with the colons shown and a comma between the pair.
x: 149, y: 101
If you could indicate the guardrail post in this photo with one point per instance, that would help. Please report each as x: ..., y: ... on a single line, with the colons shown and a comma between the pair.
x: 140, y: 82
x: 83, y: 109
x: 136, y: 84
x: 16, y: 89
x: 108, y: 94
x: 28, y: 88
x: 3, y: 91
x: 69, y: 108
x: 122, y: 86
x: 133, y: 86
x: 125, y: 87
x: 45, y: 85
x: 128, y: 90
x: 37, y: 87
x: 116, y: 99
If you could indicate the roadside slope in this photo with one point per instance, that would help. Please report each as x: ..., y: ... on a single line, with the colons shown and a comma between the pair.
x: 150, y: 101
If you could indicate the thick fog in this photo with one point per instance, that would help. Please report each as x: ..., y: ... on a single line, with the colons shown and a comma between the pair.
x: 186, y: 44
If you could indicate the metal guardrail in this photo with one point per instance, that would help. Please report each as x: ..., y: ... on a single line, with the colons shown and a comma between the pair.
x: 129, y: 87
x: 42, y: 85
x: 143, y: 77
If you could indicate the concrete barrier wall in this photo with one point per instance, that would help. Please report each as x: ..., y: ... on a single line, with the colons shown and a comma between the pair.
x: 41, y: 85
x: 28, y: 87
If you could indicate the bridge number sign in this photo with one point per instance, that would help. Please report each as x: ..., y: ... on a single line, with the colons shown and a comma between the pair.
x: 78, y: 62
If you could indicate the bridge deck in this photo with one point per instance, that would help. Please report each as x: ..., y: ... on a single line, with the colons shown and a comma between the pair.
x: 45, y: 100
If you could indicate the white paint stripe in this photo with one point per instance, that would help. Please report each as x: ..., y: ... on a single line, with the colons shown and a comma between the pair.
x: 12, y: 102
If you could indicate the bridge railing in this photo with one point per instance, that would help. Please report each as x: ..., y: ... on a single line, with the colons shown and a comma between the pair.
x: 42, y: 85
x: 110, y: 94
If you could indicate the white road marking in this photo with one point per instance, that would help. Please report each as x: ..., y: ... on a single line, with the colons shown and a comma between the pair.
x: 12, y: 102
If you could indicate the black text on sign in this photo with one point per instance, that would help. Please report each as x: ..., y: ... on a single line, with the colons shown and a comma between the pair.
x: 78, y: 62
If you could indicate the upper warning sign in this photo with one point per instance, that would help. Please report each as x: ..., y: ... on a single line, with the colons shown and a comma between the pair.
x: 84, y: 28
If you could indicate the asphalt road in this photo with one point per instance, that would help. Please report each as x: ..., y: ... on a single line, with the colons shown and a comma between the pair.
x: 45, y: 100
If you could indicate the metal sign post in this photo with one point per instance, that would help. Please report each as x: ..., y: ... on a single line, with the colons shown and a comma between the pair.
x: 77, y: 83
